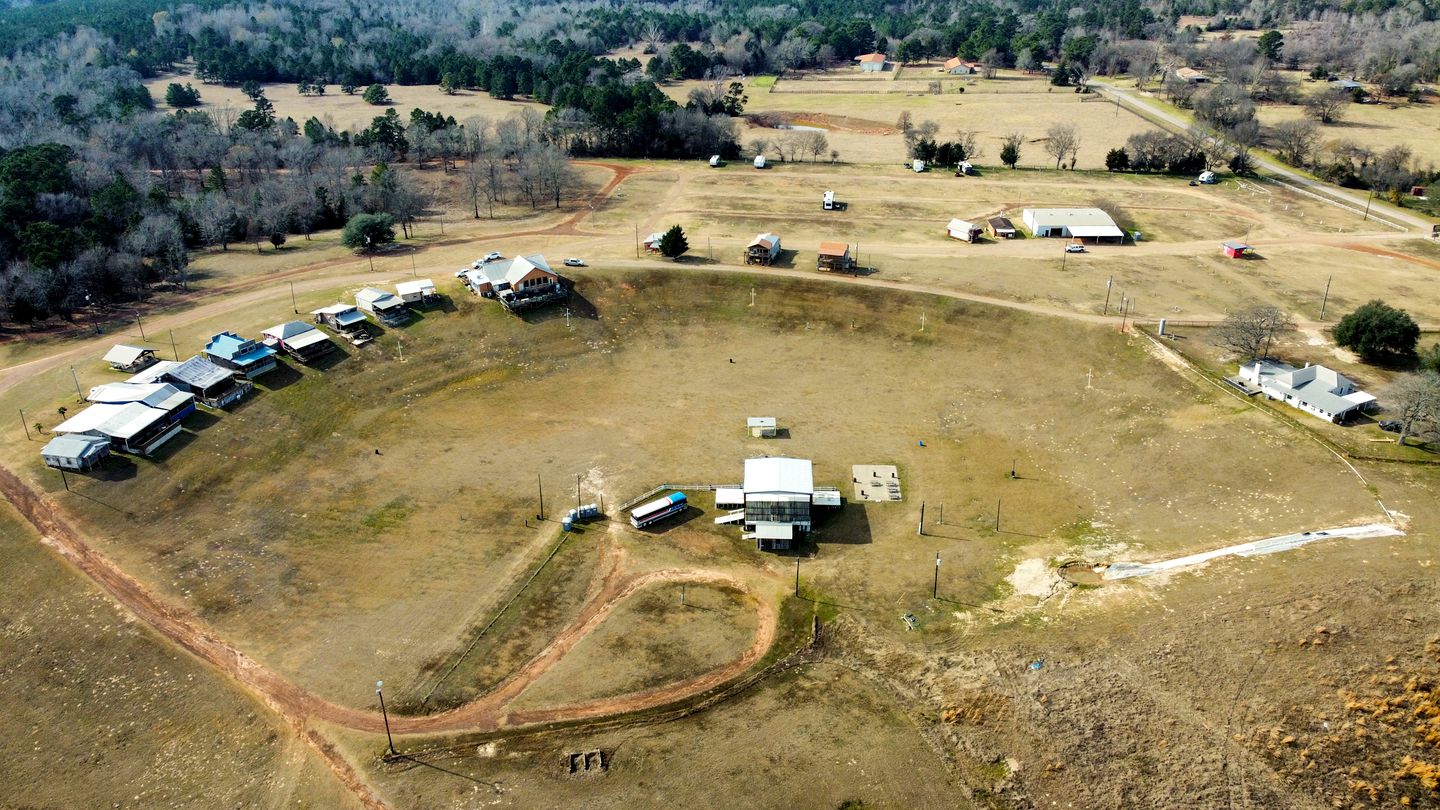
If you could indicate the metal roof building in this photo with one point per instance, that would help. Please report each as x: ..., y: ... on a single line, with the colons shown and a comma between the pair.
x: 129, y: 358
x: 75, y: 451
x: 249, y: 357
x: 1076, y: 223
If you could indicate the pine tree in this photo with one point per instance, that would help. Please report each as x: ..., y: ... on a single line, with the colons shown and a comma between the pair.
x: 674, y: 244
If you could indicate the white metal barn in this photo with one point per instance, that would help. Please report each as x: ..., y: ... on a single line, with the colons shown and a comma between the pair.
x: 776, y: 500
x: 1073, y: 223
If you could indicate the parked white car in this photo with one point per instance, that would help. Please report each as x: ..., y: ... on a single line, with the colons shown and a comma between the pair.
x: 493, y: 256
x: 1074, y: 248
x: 574, y: 263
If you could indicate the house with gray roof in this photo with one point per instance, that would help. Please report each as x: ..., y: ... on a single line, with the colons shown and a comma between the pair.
x: 1316, y: 390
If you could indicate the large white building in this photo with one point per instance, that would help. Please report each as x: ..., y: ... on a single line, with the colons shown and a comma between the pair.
x: 774, y: 503
x: 1073, y: 223
x: 1316, y: 390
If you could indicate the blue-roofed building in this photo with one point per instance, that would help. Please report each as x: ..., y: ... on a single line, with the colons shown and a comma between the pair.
x: 248, y: 357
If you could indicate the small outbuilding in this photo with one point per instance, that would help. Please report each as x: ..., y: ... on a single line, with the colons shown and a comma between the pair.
x: 75, y: 451
x: 652, y: 242
x: 763, y: 249
x: 1235, y: 250
x: 130, y: 359
x: 213, y: 385
x: 834, y: 256
x: 300, y: 340
x: 964, y: 231
x: 761, y: 427
x: 1001, y: 228
x: 961, y: 67
x: 871, y: 62
x: 1190, y: 75
x: 419, y: 292
x: 389, y: 309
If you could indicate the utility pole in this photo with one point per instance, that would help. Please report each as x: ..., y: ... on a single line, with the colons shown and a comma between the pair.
x: 997, y: 513
x: 637, y: 241
x: 293, y: 305
x: 25, y: 425
x: 379, y: 690
x: 541, y: 485
x: 413, y: 271
x: 1109, y: 282
x: 65, y: 479
x: 682, y: 594
x: 79, y: 397
x: 140, y: 323
x: 921, y: 529
x: 941, y: 520
x: 1367, y: 205
x: 577, y: 490
x: 1326, y: 299
x: 797, y: 576
x: 1123, y: 308
x: 1064, y: 258
x: 935, y: 589
x: 173, y: 348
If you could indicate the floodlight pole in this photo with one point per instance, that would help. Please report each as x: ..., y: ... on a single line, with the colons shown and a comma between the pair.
x: 379, y: 690
x: 935, y: 589
x: 1109, y: 282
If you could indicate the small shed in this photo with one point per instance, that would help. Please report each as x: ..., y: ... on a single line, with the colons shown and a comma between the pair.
x: 871, y: 62
x: 419, y: 292
x: 130, y: 359
x: 834, y: 256
x: 763, y: 249
x: 1235, y: 250
x: 761, y: 427
x: 964, y: 231
x: 1001, y: 228
x: 75, y: 451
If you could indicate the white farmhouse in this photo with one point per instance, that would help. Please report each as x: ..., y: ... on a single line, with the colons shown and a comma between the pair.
x: 1316, y: 390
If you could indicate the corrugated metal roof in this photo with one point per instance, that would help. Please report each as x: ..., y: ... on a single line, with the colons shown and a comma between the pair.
x: 199, y: 373
x: 779, y: 474
x: 420, y: 286
x: 77, y: 446
x: 834, y: 248
x: 285, y: 331
x: 124, y: 355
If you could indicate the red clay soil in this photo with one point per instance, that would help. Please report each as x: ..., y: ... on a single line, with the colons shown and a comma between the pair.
x: 299, y: 706
x: 1379, y: 251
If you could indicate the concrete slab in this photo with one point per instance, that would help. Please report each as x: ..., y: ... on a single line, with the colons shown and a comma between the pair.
x: 875, y: 483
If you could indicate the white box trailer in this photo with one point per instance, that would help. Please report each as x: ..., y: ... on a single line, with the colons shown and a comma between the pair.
x: 917, y: 165
x: 759, y: 161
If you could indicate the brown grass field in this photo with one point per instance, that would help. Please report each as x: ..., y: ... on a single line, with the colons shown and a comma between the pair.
x: 373, y: 517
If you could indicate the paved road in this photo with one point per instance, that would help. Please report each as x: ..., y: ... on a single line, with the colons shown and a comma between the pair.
x: 1126, y: 98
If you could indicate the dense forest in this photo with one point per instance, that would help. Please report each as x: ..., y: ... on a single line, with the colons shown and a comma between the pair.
x: 103, y: 197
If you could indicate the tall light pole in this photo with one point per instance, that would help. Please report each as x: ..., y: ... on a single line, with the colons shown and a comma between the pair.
x: 1109, y: 282
x: 380, y: 691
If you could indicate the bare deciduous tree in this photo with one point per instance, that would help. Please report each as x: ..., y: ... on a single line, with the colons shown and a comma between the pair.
x: 1249, y: 332
x: 1295, y: 141
x: 1062, y: 141
x: 1415, y: 402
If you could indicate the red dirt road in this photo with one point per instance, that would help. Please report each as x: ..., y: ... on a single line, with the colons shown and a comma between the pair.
x: 299, y: 707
